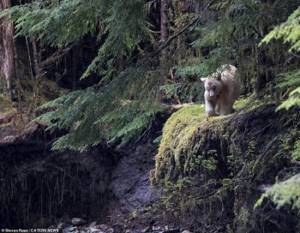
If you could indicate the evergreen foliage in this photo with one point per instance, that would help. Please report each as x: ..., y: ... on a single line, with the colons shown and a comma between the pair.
x: 56, y: 23
x: 113, y: 111
x: 119, y: 25
x: 234, y: 38
x: 289, y: 32
x: 121, y: 106
x: 59, y: 23
x: 187, y: 86
x: 116, y: 113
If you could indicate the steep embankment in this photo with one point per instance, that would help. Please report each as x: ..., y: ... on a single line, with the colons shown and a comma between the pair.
x: 40, y: 187
x: 45, y: 188
x: 215, y: 170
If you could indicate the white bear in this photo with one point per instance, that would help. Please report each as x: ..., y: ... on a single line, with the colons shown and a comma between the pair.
x: 221, y: 91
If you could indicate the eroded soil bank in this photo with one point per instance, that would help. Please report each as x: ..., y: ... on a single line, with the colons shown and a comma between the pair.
x: 43, y: 188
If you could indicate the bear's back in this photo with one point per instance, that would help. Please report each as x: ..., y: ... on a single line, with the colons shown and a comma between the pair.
x: 231, y: 84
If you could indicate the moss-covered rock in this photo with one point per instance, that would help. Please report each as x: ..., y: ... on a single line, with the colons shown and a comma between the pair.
x: 192, y: 142
x: 180, y: 152
x: 278, y: 208
x: 227, y: 160
x: 286, y: 193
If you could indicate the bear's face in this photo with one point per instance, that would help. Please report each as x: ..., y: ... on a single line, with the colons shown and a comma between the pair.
x: 212, y: 88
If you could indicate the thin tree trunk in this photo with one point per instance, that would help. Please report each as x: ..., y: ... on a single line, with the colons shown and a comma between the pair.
x: 37, y: 71
x: 29, y: 58
x: 164, y: 21
x: 36, y: 60
x: 7, y: 62
x: 164, y: 33
x: 75, y: 57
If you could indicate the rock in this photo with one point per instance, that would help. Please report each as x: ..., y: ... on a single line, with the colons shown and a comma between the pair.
x: 93, y: 224
x: 186, y: 231
x: 4, y: 119
x: 78, y: 221
x: 106, y: 229
x: 9, y: 139
x: 118, y: 228
x: 70, y: 229
x: 165, y: 229
x: 62, y: 225
x: 156, y: 228
x: 172, y: 231
x: 94, y: 230
x: 147, y: 229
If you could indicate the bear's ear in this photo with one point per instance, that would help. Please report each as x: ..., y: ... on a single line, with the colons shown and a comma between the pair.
x: 219, y: 76
x: 203, y: 79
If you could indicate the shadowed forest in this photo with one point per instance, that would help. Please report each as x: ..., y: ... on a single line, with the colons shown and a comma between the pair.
x: 106, y: 119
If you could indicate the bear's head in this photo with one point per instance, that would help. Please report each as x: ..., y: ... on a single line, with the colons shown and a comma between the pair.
x: 212, y: 86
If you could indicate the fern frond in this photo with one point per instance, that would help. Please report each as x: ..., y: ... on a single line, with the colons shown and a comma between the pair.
x: 288, y: 32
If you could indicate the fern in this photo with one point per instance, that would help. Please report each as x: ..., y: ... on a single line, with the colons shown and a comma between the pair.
x: 288, y: 32
x: 197, y: 70
x: 293, y: 100
x: 289, y: 80
x: 296, y: 151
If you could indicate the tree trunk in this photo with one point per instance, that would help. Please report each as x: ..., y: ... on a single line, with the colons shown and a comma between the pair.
x: 75, y: 56
x: 37, y: 71
x: 36, y: 59
x: 164, y: 21
x: 7, y: 48
x: 164, y: 33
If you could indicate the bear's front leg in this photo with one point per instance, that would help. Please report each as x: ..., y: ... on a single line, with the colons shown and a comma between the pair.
x: 217, y: 108
x: 226, y: 108
x: 210, y: 108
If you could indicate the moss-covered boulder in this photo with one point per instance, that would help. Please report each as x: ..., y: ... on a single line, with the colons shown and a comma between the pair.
x: 181, y: 152
x: 278, y: 208
x: 284, y: 193
x: 227, y: 162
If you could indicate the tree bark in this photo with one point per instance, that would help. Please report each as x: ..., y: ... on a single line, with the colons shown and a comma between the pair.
x: 164, y: 21
x: 75, y: 57
x: 164, y: 33
x: 36, y: 60
x: 7, y: 48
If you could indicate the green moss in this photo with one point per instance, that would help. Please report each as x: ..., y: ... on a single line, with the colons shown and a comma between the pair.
x: 191, y: 142
x: 181, y: 126
x: 45, y: 90
x: 180, y: 143
x: 290, y: 143
x: 296, y: 151
x: 247, y: 103
x: 284, y: 193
